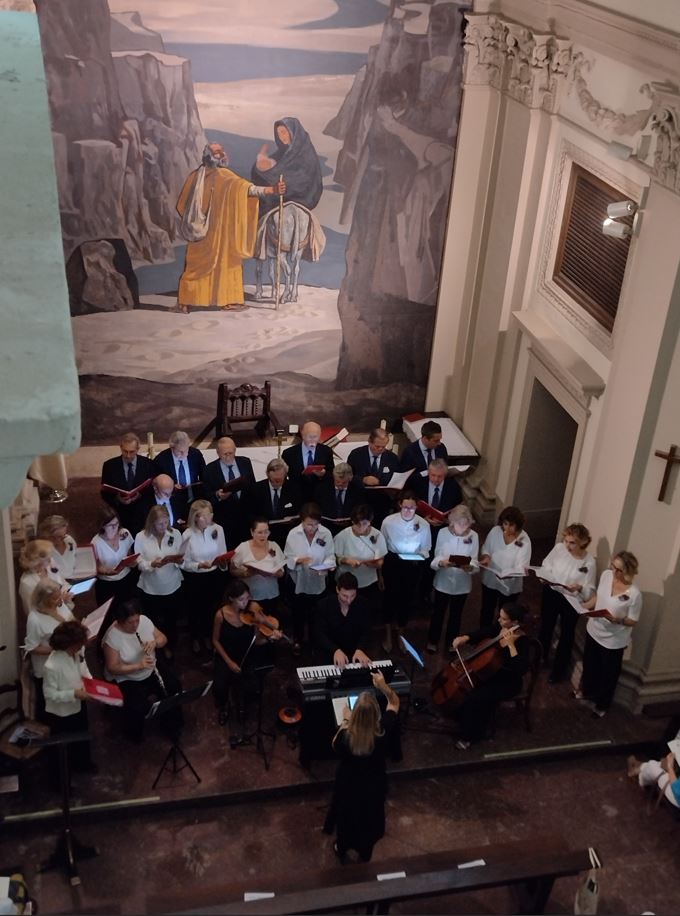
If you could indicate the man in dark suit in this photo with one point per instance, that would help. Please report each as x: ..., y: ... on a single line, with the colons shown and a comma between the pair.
x: 228, y: 482
x: 373, y: 466
x: 419, y: 454
x: 337, y: 496
x: 162, y: 492
x: 310, y: 452
x: 274, y: 498
x: 186, y: 466
x: 127, y: 471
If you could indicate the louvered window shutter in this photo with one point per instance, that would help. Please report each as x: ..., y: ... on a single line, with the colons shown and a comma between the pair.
x: 589, y: 265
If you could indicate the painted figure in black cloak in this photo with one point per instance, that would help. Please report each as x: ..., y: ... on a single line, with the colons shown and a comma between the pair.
x: 295, y: 158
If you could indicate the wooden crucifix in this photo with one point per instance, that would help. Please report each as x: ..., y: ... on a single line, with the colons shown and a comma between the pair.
x: 671, y: 457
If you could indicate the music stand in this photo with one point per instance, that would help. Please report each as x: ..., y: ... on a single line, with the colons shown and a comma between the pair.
x: 260, y: 733
x: 171, y: 762
x: 68, y: 850
x: 416, y: 659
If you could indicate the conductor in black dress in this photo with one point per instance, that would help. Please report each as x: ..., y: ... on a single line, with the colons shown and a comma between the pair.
x: 127, y: 471
x: 228, y: 482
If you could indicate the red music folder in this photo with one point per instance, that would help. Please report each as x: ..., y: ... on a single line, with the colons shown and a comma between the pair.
x: 135, y: 492
x: 103, y: 691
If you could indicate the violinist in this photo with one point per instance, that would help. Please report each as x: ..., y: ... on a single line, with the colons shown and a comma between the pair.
x: 476, y: 711
x: 239, y: 648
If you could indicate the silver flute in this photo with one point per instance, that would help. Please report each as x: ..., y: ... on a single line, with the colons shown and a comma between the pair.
x: 155, y: 667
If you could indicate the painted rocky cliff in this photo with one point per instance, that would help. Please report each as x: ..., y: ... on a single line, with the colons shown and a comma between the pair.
x: 398, y: 127
x: 126, y: 132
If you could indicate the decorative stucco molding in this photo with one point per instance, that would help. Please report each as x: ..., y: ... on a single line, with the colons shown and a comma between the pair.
x: 530, y: 67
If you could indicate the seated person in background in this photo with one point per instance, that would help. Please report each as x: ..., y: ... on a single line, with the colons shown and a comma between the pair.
x: 664, y: 773
x: 310, y: 452
x: 277, y: 497
x: 342, y: 625
x: 373, y: 466
x: 162, y: 493
x: 360, y: 550
x: 308, y: 544
x: 186, y: 466
x: 475, y: 714
x: 420, y: 453
x: 127, y: 471
x: 35, y: 559
x: 337, y: 495
x: 230, y: 506
x: 143, y: 676
x: 239, y: 649
x: 54, y: 528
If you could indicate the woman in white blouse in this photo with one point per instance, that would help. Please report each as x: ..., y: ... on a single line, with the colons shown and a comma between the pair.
x: 48, y: 612
x: 361, y: 549
x: 308, y: 544
x: 111, y: 546
x: 408, y: 541
x: 452, y: 579
x: 160, y: 554
x: 506, y: 551
x: 54, y: 528
x: 263, y: 582
x: 36, y: 561
x: 204, y: 581
x: 608, y: 636
x: 65, y: 694
x: 570, y: 564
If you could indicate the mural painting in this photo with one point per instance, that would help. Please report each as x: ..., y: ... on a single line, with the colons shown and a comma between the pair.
x: 252, y: 191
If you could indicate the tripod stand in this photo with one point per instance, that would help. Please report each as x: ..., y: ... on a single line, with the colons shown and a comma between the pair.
x: 68, y: 849
x: 260, y: 733
x: 171, y: 764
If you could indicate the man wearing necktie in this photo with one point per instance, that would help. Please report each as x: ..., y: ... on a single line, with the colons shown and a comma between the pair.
x: 276, y: 497
x: 442, y: 492
x: 229, y: 481
x: 186, y: 466
x: 373, y: 466
x: 127, y: 471
x: 423, y: 451
x: 338, y: 496
x: 310, y: 453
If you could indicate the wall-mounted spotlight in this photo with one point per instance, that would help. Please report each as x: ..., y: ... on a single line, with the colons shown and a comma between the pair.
x: 616, y: 211
x: 621, y: 208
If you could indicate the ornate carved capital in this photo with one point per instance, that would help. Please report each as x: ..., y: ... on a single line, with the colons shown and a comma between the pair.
x: 529, y: 66
x: 665, y: 128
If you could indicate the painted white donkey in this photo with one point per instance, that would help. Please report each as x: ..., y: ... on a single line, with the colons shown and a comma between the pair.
x: 301, y: 237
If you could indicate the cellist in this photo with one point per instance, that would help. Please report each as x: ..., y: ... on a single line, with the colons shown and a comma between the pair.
x: 476, y: 711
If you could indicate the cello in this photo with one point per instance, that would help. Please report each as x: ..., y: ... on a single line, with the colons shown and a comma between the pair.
x: 457, y: 679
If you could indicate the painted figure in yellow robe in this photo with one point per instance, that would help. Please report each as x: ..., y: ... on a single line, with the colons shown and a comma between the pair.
x: 218, y: 218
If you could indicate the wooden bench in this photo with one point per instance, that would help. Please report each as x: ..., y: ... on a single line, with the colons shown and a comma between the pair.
x: 530, y: 869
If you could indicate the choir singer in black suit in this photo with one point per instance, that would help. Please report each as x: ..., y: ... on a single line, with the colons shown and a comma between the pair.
x: 228, y: 481
x: 437, y: 489
x: 186, y: 465
x: 309, y: 453
x: 373, y: 466
x: 275, y: 498
x: 127, y: 471
x: 420, y: 453
x: 162, y: 492
x: 337, y: 496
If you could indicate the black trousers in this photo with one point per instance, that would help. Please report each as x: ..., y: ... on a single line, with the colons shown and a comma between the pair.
x: 138, y: 697
x: 442, y: 602
x: 474, y: 716
x: 554, y: 607
x: 402, y: 578
x: 304, y: 607
x: 492, y: 601
x: 120, y: 590
x: 202, y: 596
x: 79, y: 752
x: 601, y: 670
x: 163, y: 611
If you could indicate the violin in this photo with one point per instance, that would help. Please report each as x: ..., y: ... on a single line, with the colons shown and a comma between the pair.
x: 456, y: 681
x: 253, y: 615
